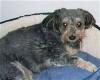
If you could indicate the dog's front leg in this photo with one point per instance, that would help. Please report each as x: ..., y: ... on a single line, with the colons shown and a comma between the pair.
x: 26, y: 74
x: 29, y: 63
x: 85, y: 64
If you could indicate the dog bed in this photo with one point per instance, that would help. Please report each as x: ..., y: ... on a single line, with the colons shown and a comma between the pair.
x: 53, y: 73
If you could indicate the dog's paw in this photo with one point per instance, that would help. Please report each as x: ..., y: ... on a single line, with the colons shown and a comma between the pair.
x: 85, y: 65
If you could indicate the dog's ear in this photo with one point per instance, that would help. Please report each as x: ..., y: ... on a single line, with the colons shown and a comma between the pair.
x: 89, y: 19
x: 48, y: 21
x: 52, y: 21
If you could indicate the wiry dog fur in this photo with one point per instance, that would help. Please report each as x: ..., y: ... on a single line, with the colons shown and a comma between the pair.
x: 50, y: 43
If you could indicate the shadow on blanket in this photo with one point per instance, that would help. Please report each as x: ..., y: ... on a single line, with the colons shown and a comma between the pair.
x: 71, y: 72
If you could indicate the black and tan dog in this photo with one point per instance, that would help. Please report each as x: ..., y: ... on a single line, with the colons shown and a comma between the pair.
x: 50, y: 43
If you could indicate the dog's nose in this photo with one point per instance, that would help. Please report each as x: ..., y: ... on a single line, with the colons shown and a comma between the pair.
x: 72, y: 37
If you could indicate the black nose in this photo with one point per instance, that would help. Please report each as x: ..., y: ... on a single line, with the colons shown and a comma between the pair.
x: 72, y: 37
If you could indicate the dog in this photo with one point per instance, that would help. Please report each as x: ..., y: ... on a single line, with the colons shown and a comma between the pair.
x: 53, y: 42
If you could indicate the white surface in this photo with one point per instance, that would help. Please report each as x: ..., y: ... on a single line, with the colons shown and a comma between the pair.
x: 91, y: 42
x: 14, y: 8
x: 19, y: 23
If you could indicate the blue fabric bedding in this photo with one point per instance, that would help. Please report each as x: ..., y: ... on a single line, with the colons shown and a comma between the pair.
x: 71, y: 72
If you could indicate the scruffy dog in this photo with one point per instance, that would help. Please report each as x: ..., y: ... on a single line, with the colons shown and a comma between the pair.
x: 50, y: 43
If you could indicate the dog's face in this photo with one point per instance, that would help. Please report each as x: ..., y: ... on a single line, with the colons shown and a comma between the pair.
x: 69, y: 25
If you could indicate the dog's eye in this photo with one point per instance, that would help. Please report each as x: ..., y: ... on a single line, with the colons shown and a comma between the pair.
x: 65, y: 25
x: 79, y: 24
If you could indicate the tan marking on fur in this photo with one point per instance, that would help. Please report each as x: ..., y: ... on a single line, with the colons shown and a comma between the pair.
x: 85, y: 65
x: 26, y: 74
x: 80, y: 34
x: 71, y: 50
x: 64, y: 37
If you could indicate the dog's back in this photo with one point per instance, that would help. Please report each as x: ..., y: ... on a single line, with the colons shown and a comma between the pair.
x: 23, y: 45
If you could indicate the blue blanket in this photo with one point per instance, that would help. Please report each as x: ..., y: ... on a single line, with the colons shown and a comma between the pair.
x: 71, y: 72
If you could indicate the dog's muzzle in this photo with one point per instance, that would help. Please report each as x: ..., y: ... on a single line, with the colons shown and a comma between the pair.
x: 72, y: 37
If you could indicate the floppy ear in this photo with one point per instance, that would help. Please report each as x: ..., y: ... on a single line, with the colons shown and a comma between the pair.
x: 89, y: 19
x: 48, y: 22
x: 52, y: 21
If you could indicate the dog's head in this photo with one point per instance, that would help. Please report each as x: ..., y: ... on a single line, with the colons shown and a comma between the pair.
x: 69, y: 25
